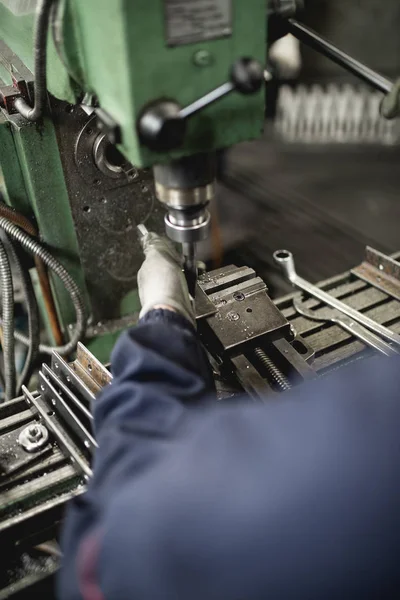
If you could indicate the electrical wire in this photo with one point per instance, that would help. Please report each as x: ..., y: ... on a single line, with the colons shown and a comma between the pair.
x: 47, y: 294
x: 7, y: 296
x: 33, y: 316
x: 36, y: 249
x: 40, y: 55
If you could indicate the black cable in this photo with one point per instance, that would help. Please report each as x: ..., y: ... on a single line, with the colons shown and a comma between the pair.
x: 33, y: 316
x: 40, y: 57
x: 7, y: 301
x: 35, y: 248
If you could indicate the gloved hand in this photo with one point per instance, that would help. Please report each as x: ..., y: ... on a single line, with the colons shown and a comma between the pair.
x: 161, y: 281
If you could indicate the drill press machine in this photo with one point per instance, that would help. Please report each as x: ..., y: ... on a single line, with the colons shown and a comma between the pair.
x: 92, y: 95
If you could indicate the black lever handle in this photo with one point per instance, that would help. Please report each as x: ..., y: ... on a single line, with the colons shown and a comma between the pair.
x: 316, y: 42
x: 162, y: 125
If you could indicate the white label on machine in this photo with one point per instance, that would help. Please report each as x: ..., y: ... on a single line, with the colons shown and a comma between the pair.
x: 189, y: 21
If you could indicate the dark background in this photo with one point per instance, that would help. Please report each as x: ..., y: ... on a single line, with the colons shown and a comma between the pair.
x: 323, y: 201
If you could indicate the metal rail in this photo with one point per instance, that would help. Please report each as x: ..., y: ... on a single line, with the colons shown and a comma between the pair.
x: 349, y: 325
x: 285, y: 260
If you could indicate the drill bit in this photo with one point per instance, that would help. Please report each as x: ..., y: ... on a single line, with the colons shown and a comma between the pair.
x: 190, y: 266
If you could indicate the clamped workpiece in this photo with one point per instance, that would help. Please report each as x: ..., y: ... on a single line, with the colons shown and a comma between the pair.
x: 248, y: 337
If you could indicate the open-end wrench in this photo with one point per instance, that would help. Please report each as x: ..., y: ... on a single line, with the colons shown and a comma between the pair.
x: 348, y: 324
x: 285, y: 260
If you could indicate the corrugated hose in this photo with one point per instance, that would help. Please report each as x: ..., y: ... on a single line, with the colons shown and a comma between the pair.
x: 36, y: 249
x: 33, y: 317
x: 7, y: 296
x: 25, y: 224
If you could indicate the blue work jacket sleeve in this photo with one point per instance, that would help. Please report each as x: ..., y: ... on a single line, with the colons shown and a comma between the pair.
x: 157, y: 367
x: 294, y: 498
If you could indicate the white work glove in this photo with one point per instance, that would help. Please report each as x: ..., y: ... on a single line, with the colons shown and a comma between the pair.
x: 161, y: 281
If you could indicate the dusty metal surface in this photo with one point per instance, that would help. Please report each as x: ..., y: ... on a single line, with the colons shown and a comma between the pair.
x: 86, y: 374
x: 35, y: 487
x: 245, y: 311
x: 333, y: 346
x: 285, y: 260
x: 249, y: 339
x: 46, y: 445
x: 29, y: 575
x: 37, y: 476
x: 90, y: 370
x: 349, y: 325
x: 106, y: 204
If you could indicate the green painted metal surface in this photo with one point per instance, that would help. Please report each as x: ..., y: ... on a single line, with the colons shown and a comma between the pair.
x: 117, y: 50
x: 43, y: 177
x: 13, y: 186
x: 26, y: 190
x: 33, y: 183
x: 14, y: 192
x: 17, y: 33
x: 127, y: 64
x: 130, y: 303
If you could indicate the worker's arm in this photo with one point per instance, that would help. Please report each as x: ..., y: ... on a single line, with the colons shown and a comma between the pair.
x: 297, y: 498
x: 157, y: 367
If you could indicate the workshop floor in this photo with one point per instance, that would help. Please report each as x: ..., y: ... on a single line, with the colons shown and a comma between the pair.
x: 325, y: 204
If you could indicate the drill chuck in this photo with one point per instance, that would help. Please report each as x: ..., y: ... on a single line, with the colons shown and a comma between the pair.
x: 185, y: 187
x: 188, y: 226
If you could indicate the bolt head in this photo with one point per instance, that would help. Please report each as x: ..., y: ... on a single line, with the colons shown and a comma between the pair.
x: 34, y: 433
x: 233, y: 316
x: 239, y: 297
x: 202, y: 58
x: 33, y: 437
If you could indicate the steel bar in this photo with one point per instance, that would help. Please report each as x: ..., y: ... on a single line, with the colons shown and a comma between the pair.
x: 62, y: 369
x: 285, y: 260
x: 71, y: 453
x: 316, y: 42
x: 210, y: 98
x: 92, y: 371
x: 65, y: 412
x: 349, y: 325
x: 381, y: 271
x: 67, y: 392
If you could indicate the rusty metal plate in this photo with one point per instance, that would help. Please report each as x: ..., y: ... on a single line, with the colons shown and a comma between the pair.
x: 381, y: 271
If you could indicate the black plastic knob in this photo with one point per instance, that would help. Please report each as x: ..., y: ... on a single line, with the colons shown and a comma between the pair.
x: 247, y: 75
x: 285, y: 8
x: 161, y: 127
x: 278, y: 13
